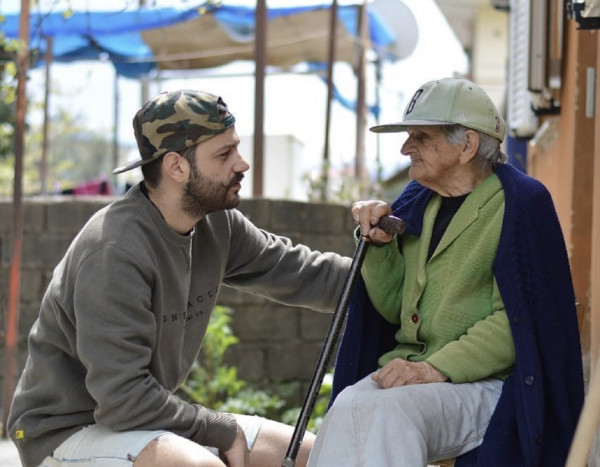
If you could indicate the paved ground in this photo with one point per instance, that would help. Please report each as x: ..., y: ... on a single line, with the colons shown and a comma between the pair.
x: 8, y: 454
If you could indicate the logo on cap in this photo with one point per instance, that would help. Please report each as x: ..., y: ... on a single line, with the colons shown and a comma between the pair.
x: 413, y: 101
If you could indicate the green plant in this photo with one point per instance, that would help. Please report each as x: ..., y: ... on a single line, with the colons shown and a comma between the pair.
x: 213, y: 384
x: 290, y: 416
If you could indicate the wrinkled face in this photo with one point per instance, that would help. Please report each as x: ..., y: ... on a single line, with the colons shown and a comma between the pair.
x: 215, y: 176
x: 434, y: 161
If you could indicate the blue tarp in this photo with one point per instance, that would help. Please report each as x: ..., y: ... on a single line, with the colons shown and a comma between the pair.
x: 117, y: 35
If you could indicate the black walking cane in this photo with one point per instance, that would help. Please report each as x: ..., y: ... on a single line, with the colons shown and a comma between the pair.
x: 391, y: 225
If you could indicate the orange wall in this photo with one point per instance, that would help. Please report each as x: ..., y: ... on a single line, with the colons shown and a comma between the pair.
x: 563, y: 159
x: 595, y: 250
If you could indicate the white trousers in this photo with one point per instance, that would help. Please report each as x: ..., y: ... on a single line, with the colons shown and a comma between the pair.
x: 406, y: 426
x: 97, y: 446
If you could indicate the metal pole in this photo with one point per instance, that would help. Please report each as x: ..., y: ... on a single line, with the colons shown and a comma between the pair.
x: 260, y: 54
x: 331, y: 339
x: 378, y: 104
x: 390, y: 224
x: 12, y: 316
x: 117, y: 102
x: 330, y: 63
x: 46, y: 137
x: 360, y: 172
x: 144, y: 84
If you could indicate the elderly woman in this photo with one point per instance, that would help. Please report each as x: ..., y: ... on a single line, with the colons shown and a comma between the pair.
x: 477, y: 295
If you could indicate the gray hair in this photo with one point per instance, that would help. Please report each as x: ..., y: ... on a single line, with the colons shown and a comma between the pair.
x: 488, y: 154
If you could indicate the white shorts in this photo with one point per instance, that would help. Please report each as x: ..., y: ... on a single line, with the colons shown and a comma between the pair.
x: 98, y: 446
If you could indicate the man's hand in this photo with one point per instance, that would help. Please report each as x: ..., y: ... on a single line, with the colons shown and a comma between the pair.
x: 399, y: 372
x: 238, y: 455
x: 367, y: 214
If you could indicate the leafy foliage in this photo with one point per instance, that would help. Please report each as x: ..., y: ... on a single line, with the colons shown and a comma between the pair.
x: 290, y: 416
x: 213, y: 384
x: 8, y: 72
x: 75, y: 155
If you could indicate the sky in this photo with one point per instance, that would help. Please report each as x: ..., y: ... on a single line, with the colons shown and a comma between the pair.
x: 87, y: 90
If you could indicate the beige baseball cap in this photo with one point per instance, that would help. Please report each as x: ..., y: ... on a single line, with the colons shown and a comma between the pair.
x: 450, y: 101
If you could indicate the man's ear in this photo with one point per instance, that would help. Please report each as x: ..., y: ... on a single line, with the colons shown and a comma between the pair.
x: 176, y: 167
x: 470, y: 147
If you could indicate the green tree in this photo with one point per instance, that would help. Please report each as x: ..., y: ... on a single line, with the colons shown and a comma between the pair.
x: 8, y: 72
x: 76, y: 154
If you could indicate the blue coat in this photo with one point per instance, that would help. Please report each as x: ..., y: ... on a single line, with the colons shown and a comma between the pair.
x: 537, y: 413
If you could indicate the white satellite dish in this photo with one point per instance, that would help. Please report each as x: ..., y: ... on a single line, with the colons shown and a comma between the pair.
x: 403, y: 24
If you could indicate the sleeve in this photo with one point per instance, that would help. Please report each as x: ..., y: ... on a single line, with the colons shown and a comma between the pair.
x: 271, y: 266
x: 116, y: 334
x: 485, y: 350
x: 383, y: 273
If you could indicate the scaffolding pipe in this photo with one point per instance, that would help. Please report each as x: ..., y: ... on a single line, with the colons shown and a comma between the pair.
x: 14, y: 293
x: 360, y: 168
x: 330, y: 63
x: 46, y: 137
x: 260, y: 58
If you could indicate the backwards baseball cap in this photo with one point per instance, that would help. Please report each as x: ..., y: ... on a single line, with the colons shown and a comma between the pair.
x: 174, y: 121
x: 450, y: 101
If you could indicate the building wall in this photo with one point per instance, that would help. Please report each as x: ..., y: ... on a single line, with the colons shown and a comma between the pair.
x: 565, y: 156
x: 277, y: 343
x: 489, y: 53
x: 562, y: 156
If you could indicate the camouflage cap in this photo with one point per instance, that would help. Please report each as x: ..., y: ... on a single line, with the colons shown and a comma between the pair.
x: 174, y: 121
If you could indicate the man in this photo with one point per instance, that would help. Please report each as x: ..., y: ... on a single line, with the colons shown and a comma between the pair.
x: 463, y: 341
x: 106, y: 355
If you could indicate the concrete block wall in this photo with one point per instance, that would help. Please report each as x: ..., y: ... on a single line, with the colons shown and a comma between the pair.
x: 277, y: 343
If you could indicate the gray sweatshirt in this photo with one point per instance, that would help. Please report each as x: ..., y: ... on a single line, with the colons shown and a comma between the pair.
x: 125, y: 313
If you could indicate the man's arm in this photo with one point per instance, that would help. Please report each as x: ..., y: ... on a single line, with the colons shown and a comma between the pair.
x: 117, y: 341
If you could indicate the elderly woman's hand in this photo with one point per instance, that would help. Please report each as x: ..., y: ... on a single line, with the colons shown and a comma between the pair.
x: 367, y: 215
x: 399, y: 372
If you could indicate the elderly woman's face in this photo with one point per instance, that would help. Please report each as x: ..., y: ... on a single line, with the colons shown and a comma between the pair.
x: 434, y: 160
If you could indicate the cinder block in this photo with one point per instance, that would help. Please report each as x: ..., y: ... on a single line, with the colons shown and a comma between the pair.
x: 342, y: 244
x: 295, y: 361
x: 5, y: 216
x: 249, y: 360
x: 32, y: 283
x: 72, y: 214
x: 7, y: 245
x: 45, y: 250
x: 234, y: 298
x: 266, y: 324
x: 304, y: 217
x: 258, y: 211
x: 28, y: 313
x: 34, y: 216
x: 4, y: 281
x: 314, y: 325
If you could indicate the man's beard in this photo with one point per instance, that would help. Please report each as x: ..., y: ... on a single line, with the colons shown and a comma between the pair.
x: 203, y: 195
